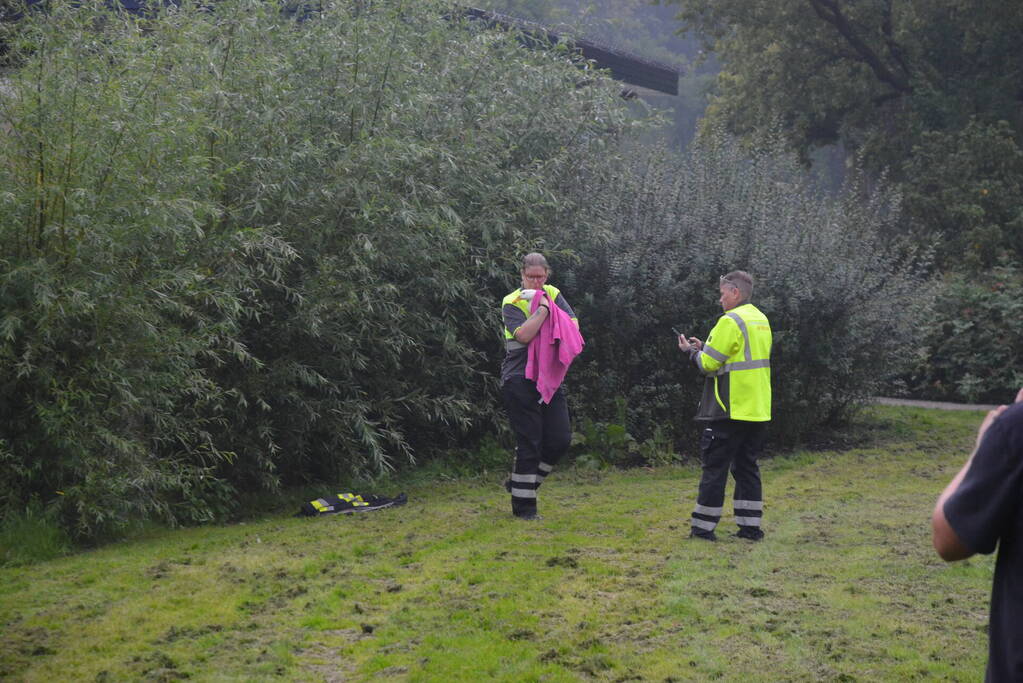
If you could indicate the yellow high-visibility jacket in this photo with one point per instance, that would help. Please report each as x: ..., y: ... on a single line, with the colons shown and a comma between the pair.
x: 515, y: 299
x: 736, y: 359
x: 515, y: 311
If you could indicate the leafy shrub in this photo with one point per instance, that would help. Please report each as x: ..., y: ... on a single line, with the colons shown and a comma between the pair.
x: 974, y: 344
x: 845, y: 302
x: 965, y: 188
x: 604, y: 444
x: 599, y: 445
x: 122, y: 286
x: 32, y: 534
x: 241, y: 250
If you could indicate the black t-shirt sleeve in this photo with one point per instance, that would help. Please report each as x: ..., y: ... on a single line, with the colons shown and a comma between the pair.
x: 986, y: 503
x: 562, y: 303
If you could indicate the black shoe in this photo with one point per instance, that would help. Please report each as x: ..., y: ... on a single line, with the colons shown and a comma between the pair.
x: 703, y: 535
x: 750, y: 533
x: 531, y: 517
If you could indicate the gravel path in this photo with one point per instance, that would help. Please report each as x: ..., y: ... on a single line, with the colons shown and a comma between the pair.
x: 940, y: 405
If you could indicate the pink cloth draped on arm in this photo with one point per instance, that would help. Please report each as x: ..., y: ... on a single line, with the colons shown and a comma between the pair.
x: 553, y: 349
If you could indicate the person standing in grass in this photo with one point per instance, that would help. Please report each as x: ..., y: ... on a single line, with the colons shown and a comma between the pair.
x: 981, y: 508
x: 538, y: 415
x: 734, y: 409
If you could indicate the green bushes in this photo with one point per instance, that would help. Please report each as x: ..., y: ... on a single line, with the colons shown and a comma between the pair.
x: 845, y: 303
x: 974, y: 342
x: 240, y: 250
x: 123, y: 286
x: 965, y: 189
x: 32, y: 534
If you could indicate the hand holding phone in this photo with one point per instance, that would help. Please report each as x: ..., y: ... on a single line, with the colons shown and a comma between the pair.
x: 683, y: 345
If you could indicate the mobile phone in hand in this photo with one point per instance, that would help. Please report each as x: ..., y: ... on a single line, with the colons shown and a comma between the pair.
x: 677, y: 333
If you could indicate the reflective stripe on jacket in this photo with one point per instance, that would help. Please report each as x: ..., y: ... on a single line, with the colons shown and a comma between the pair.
x: 736, y: 359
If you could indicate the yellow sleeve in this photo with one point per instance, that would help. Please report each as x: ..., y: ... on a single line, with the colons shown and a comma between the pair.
x: 722, y: 344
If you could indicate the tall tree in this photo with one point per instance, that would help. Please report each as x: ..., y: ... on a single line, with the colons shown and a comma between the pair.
x: 894, y: 82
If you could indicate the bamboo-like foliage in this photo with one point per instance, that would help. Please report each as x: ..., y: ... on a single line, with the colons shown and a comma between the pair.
x: 249, y: 245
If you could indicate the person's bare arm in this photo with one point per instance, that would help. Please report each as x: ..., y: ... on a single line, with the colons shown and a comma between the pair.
x: 946, y: 542
x: 943, y: 536
x: 529, y: 329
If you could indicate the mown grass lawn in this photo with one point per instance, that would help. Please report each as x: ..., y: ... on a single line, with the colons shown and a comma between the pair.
x: 606, y: 587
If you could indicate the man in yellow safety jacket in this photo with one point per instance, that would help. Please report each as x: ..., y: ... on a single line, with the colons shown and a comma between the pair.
x: 734, y: 409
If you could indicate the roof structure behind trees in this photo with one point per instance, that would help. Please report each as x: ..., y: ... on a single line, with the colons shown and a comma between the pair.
x: 623, y: 66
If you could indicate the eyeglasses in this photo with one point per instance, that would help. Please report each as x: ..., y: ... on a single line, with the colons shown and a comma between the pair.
x: 723, y: 280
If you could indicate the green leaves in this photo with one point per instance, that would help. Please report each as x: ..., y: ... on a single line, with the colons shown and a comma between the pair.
x: 966, y: 190
x: 845, y: 301
x: 243, y: 250
x: 925, y: 92
x: 972, y: 350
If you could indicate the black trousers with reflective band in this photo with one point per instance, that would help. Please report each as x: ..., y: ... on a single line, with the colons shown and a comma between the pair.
x: 542, y: 435
x: 730, y: 445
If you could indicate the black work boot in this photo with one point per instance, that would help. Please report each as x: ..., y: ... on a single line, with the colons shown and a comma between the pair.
x: 529, y: 517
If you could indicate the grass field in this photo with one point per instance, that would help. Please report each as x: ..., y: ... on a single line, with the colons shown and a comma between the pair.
x: 606, y: 587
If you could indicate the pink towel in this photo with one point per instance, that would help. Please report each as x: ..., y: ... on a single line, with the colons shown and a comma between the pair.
x: 553, y: 349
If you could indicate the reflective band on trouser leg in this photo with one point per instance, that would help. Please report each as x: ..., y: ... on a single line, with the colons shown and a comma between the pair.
x: 748, y: 512
x: 523, y: 486
x: 544, y: 470
x: 748, y: 501
x: 705, y: 517
x: 527, y: 424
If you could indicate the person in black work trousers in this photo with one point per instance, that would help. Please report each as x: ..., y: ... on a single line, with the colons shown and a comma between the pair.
x: 542, y: 430
x: 734, y: 409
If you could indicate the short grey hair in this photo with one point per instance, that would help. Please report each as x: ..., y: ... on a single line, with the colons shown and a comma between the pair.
x: 742, y: 281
